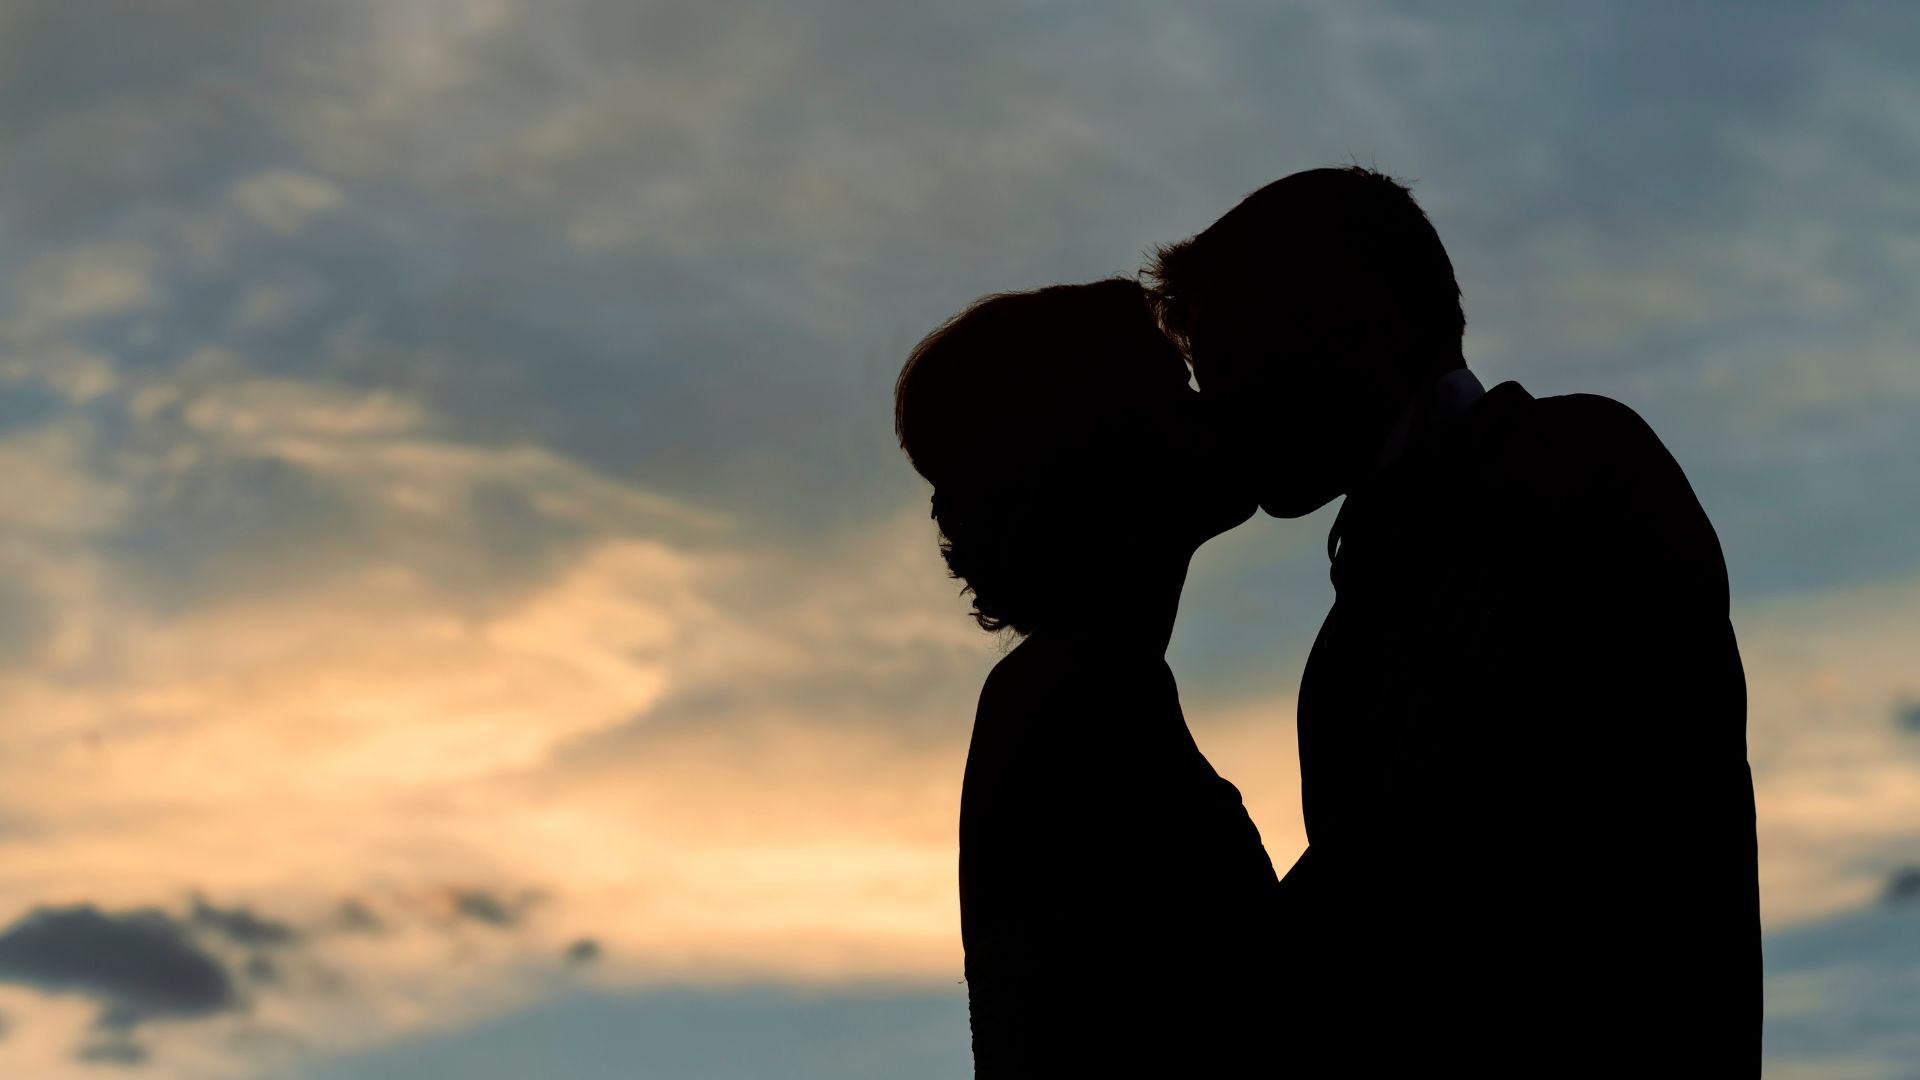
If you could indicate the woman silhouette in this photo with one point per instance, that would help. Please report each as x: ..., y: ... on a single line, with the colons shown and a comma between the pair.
x: 1116, y: 904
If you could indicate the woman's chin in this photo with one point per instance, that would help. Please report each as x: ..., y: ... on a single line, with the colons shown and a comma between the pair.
x: 1226, y: 516
x: 1296, y: 503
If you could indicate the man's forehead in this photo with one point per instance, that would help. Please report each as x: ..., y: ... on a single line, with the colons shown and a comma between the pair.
x: 1222, y: 318
x: 1220, y: 302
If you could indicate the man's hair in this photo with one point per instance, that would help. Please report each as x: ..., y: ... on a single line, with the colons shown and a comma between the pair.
x: 993, y: 405
x: 1346, y: 247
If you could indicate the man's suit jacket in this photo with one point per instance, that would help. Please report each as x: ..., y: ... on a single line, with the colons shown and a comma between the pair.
x: 1523, y: 758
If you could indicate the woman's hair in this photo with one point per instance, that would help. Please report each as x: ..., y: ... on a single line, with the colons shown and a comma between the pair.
x: 997, y: 407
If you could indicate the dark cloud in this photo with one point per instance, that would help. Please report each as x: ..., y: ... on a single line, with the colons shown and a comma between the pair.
x: 112, y: 1048
x: 15, y: 826
x: 271, y: 1047
x: 240, y: 925
x: 261, y: 968
x: 512, y: 537
x: 141, y: 965
x: 26, y: 404
x: 138, y: 964
x: 1903, y: 886
x: 239, y: 520
x: 485, y: 906
x: 1906, y: 716
x: 149, y: 964
x: 354, y: 915
x: 236, y: 524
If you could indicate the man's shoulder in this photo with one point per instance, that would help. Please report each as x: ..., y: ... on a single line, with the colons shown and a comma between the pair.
x: 1587, y: 469
x: 1589, y: 424
x: 1578, y: 442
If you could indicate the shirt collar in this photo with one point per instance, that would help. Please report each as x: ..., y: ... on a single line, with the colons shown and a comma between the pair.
x: 1454, y: 393
x: 1450, y: 395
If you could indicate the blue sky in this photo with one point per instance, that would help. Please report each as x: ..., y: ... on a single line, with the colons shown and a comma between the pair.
x: 454, y: 510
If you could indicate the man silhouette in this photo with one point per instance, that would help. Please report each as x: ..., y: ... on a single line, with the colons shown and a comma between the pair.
x: 1523, y: 724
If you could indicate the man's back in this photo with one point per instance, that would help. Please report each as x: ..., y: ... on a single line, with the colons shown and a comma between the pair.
x: 1523, y: 758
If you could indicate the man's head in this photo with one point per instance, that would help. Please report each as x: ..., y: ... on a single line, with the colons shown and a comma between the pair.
x: 1313, y: 313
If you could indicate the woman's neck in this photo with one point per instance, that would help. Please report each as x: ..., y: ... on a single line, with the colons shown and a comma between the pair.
x: 1126, y: 609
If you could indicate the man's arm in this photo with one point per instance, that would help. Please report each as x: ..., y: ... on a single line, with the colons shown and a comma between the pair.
x: 1577, y: 789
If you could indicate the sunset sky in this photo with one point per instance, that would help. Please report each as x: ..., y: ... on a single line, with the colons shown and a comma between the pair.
x: 463, y: 613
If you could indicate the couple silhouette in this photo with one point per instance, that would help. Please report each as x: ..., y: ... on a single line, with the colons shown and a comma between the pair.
x: 1522, y: 728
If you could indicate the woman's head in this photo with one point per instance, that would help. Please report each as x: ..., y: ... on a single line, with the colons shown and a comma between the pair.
x: 1063, y: 442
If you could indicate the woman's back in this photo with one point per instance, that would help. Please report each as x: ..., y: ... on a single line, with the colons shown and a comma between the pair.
x: 1116, y: 902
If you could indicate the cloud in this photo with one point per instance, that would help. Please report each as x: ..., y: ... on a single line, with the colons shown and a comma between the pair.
x: 482, y: 906
x: 1616, y: 309
x: 1841, y: 998
x: 480, y: 805
x: 284, y: 200
x: 750, y: 188
x: 869, y: 1032
x: 1834, y: 784
x: 355, y: 916
x: 113, y: 1048
x: 669, y: 738
x: 138, y: 964
x: 1904, y: 886
x: 56, y: 494
x: 228, y: 720
x: 81, y: 282
x: 269, y: 306
x: 269, y: 991
x: 240, y: 925
x: 730, y: 332
x: 583, y: 951
x: 75, y: 374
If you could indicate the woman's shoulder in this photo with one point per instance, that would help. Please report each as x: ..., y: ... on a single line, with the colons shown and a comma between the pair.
x: 1065, y: 684
x: 1013, y: 719
x: 1050, y: 709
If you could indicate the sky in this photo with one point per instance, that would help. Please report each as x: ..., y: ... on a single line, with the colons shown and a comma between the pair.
x: 463, y: 612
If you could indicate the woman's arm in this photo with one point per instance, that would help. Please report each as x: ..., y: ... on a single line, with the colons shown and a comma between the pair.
x: 1051, y: 932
